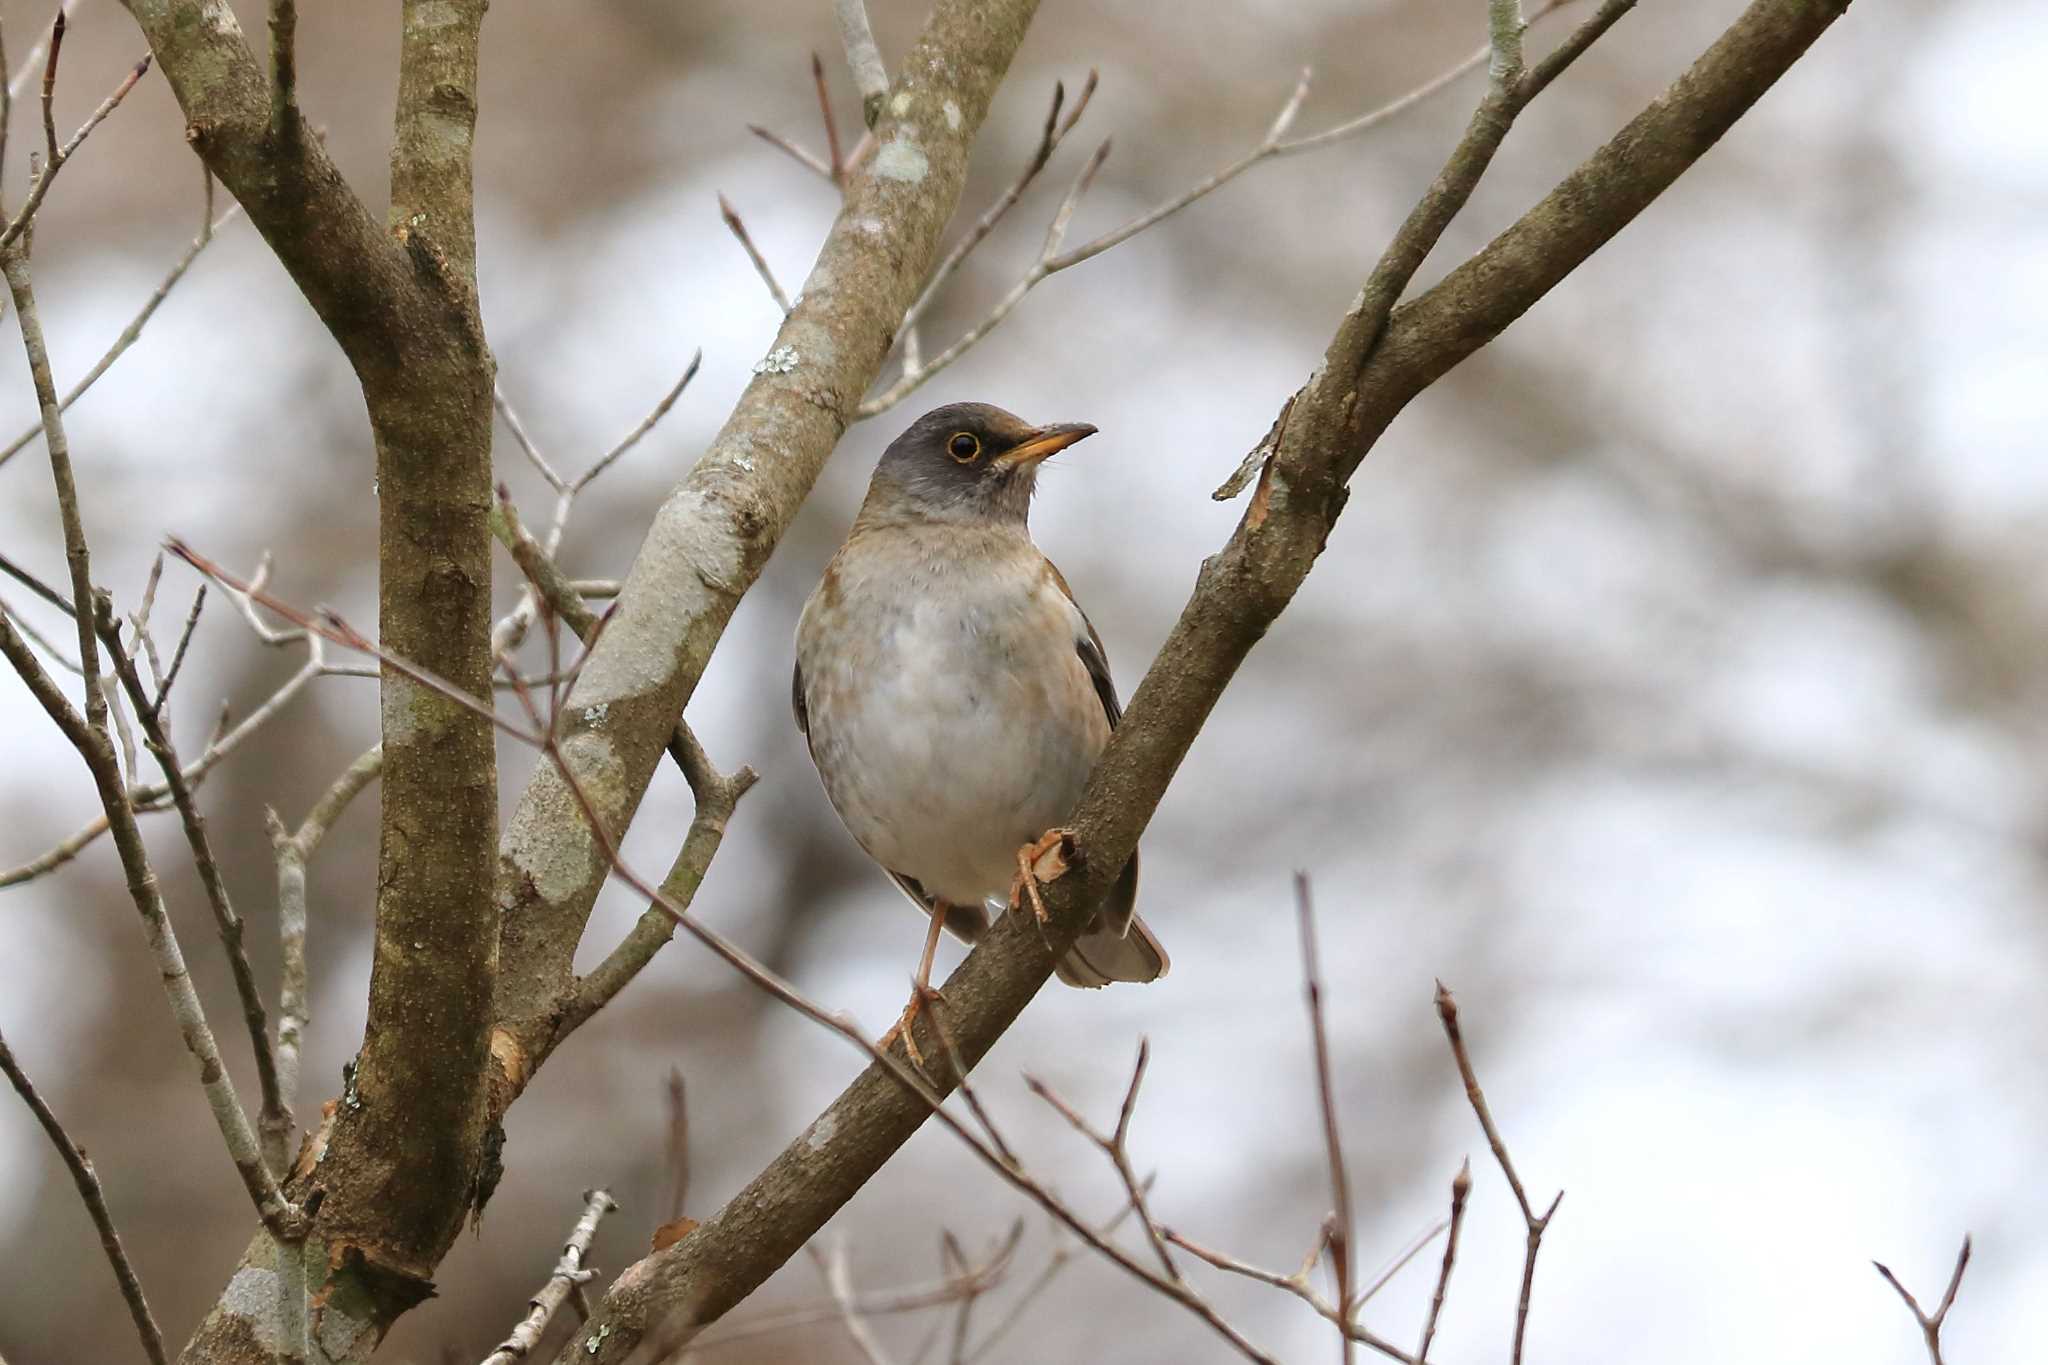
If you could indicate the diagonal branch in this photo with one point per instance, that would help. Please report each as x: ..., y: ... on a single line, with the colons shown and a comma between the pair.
x: 712, y: 537
x: 570, y: 1271
x: 1241, y: 590
x: 88, y: 1182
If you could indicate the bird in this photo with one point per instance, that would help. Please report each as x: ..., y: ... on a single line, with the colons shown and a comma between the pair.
x: 954, y: 696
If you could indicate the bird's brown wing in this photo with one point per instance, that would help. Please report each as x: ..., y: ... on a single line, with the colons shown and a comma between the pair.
x: 964, y: 922
x: 1122, y: 906
x: 1093, y: 657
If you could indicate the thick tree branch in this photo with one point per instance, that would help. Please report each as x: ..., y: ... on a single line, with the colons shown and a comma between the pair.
x: 711, y: 538
x: 1240, y: 591
x: 402, y: 1161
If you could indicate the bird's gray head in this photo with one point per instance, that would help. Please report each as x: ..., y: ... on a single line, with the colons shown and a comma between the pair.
x: 967, y: 461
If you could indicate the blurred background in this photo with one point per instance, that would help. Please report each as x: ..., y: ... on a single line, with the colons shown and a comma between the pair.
x: 1673, y: 687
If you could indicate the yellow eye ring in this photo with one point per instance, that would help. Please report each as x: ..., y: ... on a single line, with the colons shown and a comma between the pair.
x: 963, y: 446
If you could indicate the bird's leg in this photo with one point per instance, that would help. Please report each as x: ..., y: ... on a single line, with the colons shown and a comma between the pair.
x: 1038, y: 863
x: 921, y: 990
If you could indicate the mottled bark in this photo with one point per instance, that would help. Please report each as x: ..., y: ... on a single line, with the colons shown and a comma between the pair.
x: 402, y: 1158
x: 714, y: 534
x: 1369, y: 374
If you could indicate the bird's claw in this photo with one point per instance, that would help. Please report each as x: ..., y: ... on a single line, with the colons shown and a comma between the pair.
x: 1038, y: 863
x: 919, y: 993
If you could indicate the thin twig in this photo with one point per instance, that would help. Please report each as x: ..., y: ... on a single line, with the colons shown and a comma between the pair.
x: 641, y: 428
x: 227, y: 923
x: 1930, y: 1323
x: 1055, y: 131
x: 1447, y: 1011
x: 880, y: 1304
x: 808, y: 160
x: 1461, y: 1190
x: 739, y: 230
x: 293, y: 850
x: 170, y: 675
x: 832, y: 152
x: 41, y: 641
x: 1296, y: 1284
x: 676, y: 1166
x: 95, y: 1199
x: 1276, y: 143
x: 1341, y: 1226
x: 89, y: 736
x: 133, y: 331
x: 1112, y: 1145
x: 60, y: 155
x: 569, y: 1272
x: 911, y: 380
x: 838, y: 1277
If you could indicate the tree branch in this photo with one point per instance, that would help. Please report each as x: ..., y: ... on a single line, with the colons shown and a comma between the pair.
x: 712, y: 537
x: 570, y: 1272
x: 1238, y: 594
x: 88, y: 1182
x: 402, y: 1162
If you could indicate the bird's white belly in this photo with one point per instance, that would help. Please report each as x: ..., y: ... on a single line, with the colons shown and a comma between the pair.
x: 954, y: 733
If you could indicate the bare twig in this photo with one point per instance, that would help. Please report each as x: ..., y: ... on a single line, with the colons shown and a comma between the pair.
x: 676, y: 1166
x: 133, y: 331
x: 58, y: 156
x: 1461, y: 1190
x: 640, y: 429
x: 1055, y: 131
x: 831, y: 124
x: 226, y: 922
x: 1062, y: 1253
x: 739, y: 230
x: 1113, y: 1147
x: 1341, y: 1226
x: 170, y: 675
x: 40, y: 641
x: 1298, y: 1285
x: 838, y: 1277
x: 1447, y: 1011
x: 1930, y: 1323
x: 569, y: 1272
x: 293, y: 850
x: 910, y: 380
x: 155, y: 796
x: 88, y: 1183
x: 979, y: 1280
x: 509, y: 632
x: 1052, y: 260
x: 870, y: 77
x: 808, y: 160
x: 89, y: 736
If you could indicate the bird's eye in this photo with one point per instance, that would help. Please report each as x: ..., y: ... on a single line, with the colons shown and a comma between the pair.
x: 964, y: 446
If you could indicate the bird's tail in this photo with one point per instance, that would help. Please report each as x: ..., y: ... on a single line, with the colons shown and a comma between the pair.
x: 1102, y: 955
x: 1118, y: 946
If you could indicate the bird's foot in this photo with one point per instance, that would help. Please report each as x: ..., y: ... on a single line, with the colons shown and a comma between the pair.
x: 920, y: 992
x: 1038, y: 863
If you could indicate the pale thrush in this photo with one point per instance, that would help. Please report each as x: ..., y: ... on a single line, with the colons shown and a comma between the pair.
x: 953, y: 694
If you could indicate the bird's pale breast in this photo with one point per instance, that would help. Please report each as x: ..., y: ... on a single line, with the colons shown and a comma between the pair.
x: 950, y: 715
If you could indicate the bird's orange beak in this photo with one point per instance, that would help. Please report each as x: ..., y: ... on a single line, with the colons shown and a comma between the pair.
x: 1044, y: 442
